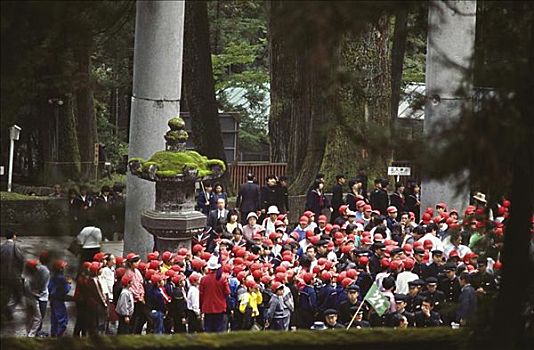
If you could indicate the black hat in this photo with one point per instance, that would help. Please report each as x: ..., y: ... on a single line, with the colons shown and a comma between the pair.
x: 378, y: 245
x: 419, y: 251
x: 437, y: 252
x: 353, y: 288
x: 396, y: 251
x: 329, y: 312
x: 449, y: 267
x: 322, y: 242
x: 400, y: 297
x: 432, y: 280
x: 413, y: 283
x: 418, y: 282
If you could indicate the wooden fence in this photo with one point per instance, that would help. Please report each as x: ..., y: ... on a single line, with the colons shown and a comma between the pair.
x: 239, y: 171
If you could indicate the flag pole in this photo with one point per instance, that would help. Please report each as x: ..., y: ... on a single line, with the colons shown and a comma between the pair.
x: 354, y: 316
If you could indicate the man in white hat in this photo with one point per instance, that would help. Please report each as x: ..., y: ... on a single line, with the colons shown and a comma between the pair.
x: 268, y: 223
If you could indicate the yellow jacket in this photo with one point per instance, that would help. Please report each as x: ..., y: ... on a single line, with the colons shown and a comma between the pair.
x: 251, y: 299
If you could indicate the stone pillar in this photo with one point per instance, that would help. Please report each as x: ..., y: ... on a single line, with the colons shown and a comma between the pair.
x: 156, y: 98
x: 450, y: 51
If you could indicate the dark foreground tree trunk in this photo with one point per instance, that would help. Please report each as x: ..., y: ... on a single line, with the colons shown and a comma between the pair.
x: 398, y: 49
x: 282, y: 70
x: 199, y: 83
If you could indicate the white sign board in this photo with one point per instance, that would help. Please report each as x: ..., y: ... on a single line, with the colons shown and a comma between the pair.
x: 399, y: 171
x: 1, y: 170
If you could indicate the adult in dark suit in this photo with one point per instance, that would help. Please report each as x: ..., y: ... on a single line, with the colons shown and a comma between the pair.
x: 337, y: 197
x: 248, y: 198
x: 467, y: 301
x: 217, y: 217
x: 271, y: 194
x: 379, y: 197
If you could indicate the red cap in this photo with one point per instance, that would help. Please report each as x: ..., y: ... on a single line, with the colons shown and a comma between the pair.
x: 497, y: 265
x: 257, y: 274
x: 363, y: 261
x: 408, y: 249
x: 198, y: 264
x: 360, y: 204
x: 366, y: 240
x: 352, y: 273
x: 303, y: 219
x: 250, y: 284
x: 384, y: 263
x: 276, y: 285
x: 60, y: 264
x: 99, y: 256
x: 280, y: 277
x: 166, y: 256
x: 183, y: 251
x: 131, y: 255
x: 322, y: 218
x: 391, y: 209
x: 197, y: 248
x: 307, y: 277
x: 265, y: 279
x: 342, y: 209
x: 95, y: 267
x: 125, y: 280
x: 345, y: 282
x: 409, y: 263
x: 177, y: 278
x: 326, y: 276
x: 395, y: 265
x: 154, y: 264
x: 170, y: 273
x: 427, y: 217
x: 176, y: 268
x: 310, y: 234
x: 378, y: 237
x: 427, y: 244
x: 149, y: 274
x: 32, y: 263
x: 453, y: 253
x: 151, y: 256
x: 194, y: 277
x: 506, y: 203
x: 156, y: 278
x: 328, y: 228
x: 308, y: 213
x: 120, y: 272
x: 119, y: 260
x: 441, y: 205
x: 368, y: 208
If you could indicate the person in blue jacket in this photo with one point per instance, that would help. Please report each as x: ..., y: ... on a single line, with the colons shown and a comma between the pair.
x: 58, y: 289
x: 307, y: 302
x: 327, y: 296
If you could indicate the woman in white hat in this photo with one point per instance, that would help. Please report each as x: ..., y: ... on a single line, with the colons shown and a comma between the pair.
x: 272, y: 216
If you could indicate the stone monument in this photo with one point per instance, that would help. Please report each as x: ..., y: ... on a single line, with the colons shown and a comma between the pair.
x: 175, y: 170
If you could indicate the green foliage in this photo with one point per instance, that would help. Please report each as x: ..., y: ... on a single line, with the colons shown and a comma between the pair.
x: 384, y: 338
x: 415, y: 56
x: 13, y: 196
x: 240, y: 65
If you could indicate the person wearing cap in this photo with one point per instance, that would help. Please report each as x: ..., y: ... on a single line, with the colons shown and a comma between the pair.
x: 107, y: 280
x: 11, y: 281
x: 433, y: 294
x: 141, y: 312
x: 413, y: 298
x: 157, y: 301
x: 400, y: 309
x: 248, y: 305
x: 178, y: 306
x: 337, y: 197
x: 214, y: 290
x: 419, y: 267
x: 251, y: 227
x: 95, y: 299
x: 359, y: 321
x: 483, y: 281
x: 431, y: 234
x: 377, y: 250
x: 321, y: 225
x: 277, y: 315
x: 330, y: 319
x: 450, y: 286
x: 379, y: 198
x: 248, y: 198
x: 327, y: 294
x: 36, y: 289
x: 80, y: 326
x: 405, y: 277
x: 427, y: 317
x: 455, y: 244
x: 346, y: 308
x: 391, y: 219
x: 269, y: 222
x: 193, y: 303
x: 307, y: 301
x: 125, y: 306
x: 58, y: 289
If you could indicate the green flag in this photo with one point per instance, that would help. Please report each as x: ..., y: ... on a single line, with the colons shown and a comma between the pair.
x: 377, y: 300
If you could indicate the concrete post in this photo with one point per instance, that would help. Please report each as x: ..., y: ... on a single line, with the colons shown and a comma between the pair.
x: 450, y: 51
x: 156, y: 98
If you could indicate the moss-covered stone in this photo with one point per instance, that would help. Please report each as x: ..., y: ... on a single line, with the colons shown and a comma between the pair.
x: 171, y: 164
x: 13, y: 196
x: 176, y: 123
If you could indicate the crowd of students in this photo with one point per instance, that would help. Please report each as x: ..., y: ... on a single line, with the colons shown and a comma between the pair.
x: 272, y: 276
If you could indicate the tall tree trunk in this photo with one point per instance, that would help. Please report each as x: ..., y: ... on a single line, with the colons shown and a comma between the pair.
x: 199, y: 83
x: 86, y: 121
x: 398, y: 49
x: 360, y: 127
x: 282, y: 70
x: 68, y: 142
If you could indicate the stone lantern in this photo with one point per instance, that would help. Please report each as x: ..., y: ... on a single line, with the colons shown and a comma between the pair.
x: 175, y: 171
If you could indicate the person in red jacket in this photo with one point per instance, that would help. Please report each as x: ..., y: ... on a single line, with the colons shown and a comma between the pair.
x: 214, y: 289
